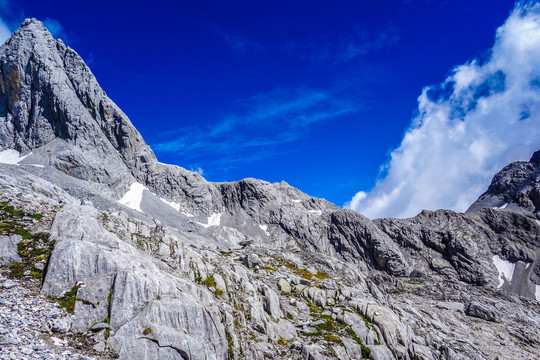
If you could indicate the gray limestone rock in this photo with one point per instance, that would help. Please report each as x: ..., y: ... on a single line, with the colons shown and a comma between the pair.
x: 252, y: 260
x: 8, y: 249
x: 482, y: 311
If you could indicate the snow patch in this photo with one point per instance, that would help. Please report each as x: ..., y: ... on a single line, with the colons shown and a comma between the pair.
x: 11, y: 156
x: 213, y: 220
x: 318, y: 212
x: 36, y: 165
x: 133, y: 197
x: 172, y: 204
x: 296, y: 201
x: 505, y: 269
x: 176, y: 206
x: 500, y: 207
x: 538, y: 222
x: 537, y: 293
x: 265, y: 229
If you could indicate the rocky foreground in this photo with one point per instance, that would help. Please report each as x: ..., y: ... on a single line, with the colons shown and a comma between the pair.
x: 140, y: 260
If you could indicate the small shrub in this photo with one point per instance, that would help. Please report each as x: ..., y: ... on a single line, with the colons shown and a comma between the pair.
x: 209, y: 282
x: 365, y: 351
x: 147, y: 331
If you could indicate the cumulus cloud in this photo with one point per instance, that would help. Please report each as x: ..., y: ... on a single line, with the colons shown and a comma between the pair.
x: 483, y: 116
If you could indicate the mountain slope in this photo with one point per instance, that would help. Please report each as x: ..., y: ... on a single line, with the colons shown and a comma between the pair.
x: 173, y: 266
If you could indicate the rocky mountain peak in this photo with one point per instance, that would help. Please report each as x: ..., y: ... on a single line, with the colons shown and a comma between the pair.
x: 516, y: 187
x: 51, y: 105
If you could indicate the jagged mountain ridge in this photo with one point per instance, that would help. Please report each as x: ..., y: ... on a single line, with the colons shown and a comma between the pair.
x: 177, y: 229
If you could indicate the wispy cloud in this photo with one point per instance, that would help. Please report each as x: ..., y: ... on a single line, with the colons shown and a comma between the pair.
x: 8, y: 19
x: 359, y: 43
x: 365, y: 43
x: 483, y: 116
x: 241, y: 45
x: 261, y: 123
x: 56, y: 29
x: 5, y: 33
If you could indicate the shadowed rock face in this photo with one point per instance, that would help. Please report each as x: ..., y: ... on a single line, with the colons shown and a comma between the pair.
x: 184, y: 268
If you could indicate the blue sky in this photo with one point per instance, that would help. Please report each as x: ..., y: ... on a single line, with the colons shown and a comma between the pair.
x: 317, y: 93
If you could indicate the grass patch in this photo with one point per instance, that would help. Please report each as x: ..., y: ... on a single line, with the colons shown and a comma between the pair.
x: 36, y: 216
x: 289, y: 316
x: 209, y: 282
x: 320, y: 275
x: 17, y: 269
x: 68, y: 300
x: 147, y: 331
x: 33, y: 247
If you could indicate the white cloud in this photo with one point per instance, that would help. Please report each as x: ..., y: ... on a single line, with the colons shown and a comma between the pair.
x: 483, y: 116
x: 198, y: 170
x: 56, y: 29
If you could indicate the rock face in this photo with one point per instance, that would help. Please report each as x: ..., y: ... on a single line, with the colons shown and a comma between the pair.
x: 155, y: 262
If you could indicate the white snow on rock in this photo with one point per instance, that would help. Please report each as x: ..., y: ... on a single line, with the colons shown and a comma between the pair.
x: 133, y: 197
x: 505, y: 269
x: 213, y: 220
x: 296, y: 201
x: 318, y: 212
x: 538, y: 222
x: 265, y: 229
x: 537, y: 294
x: 11, y: 156
x: 172, y: 204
